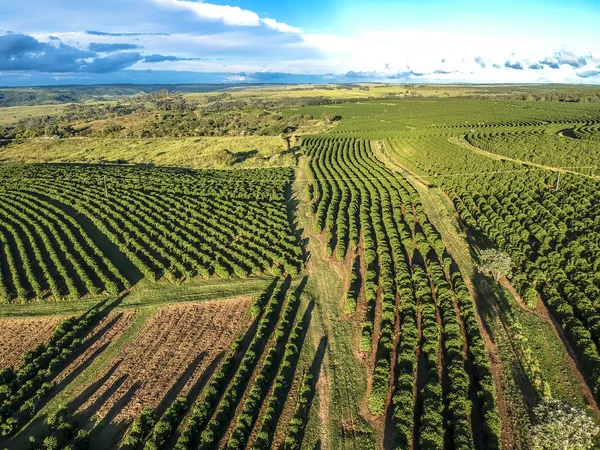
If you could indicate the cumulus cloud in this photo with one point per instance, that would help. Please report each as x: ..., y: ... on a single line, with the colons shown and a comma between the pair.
x: 229, y: 15
x: 99, y: 47
x: 405, y: 75
x: 589, y: 74
x: 279, y: 26
x: 535, y: 66
x: 569, y: 58
x: 26, y: 53
x: 550, y: 62
x: 566, y: 58
x: 480, y: 62
x: 111, y: 63
x: 23, y: 52
x: 513, y: 65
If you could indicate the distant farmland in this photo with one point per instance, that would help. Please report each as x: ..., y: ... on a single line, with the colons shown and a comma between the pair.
x: 397, y: 272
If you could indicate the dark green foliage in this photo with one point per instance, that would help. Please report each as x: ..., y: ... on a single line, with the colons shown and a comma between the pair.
x: 212, y: 414
x: 172, y: 223
x: 300, y: 418
x: 396, y: 234
x: 140, y: 428
x: 63, y: 432
x: 165, y: 427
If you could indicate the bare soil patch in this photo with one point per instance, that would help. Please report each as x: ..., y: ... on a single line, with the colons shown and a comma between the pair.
x: 19, y: 335
x: 100, y: 338
x: 173, y: 349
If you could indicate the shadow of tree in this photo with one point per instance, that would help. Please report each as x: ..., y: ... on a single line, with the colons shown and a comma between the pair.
x: 315, y: 371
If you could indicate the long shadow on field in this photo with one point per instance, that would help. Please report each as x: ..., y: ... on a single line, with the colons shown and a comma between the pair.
x: 106, y: 434
x: 193, y: 395
x: 292, y: 203
x: 240, y: 157
x: 88, y: 344
x: 79, y: 369
x: 89, y: 412
x: 105, y: 307
x: 315, y: 371
x: 110, y: 250
x: 270, y: 425
x: 490, y: 291
x: 93, y: 388
x: 176, y: 388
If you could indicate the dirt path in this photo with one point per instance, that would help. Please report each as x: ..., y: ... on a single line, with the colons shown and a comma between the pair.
x: 461, y: 141
x: 342, y: 384
x: 541, y: 311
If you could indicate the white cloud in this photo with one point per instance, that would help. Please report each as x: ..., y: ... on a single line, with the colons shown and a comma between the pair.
x: 447, y: 55
x: 250, y: 43
x: 229, y: 15
x: 279, y: 26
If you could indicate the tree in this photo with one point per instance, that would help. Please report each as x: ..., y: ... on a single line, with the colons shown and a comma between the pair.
x: 495, y: 263
x: 329, y: 117
x: 561, y: 426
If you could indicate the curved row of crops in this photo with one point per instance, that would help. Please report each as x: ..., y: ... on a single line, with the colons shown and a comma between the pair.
x: 559, y: 149
x: 552, y: 236
x: 412, y: 300
x: 170, y: 223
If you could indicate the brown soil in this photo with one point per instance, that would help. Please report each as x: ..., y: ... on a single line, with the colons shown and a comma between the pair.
x: 105, y: 333
x: 19, y: 335
x: 173, y: 348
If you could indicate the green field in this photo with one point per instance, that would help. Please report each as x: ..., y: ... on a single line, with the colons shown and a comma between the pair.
x: 197, y: 153
x: 297, y: 267
x: 12, y: 114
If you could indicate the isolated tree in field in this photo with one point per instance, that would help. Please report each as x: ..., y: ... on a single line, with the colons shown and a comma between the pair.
x: 561, y: 426
x: 495, y: 263
x: 329, y: 117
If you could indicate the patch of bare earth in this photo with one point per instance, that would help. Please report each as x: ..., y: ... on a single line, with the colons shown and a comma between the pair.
x: 19, y: 335
x: 171, y: 351
x: 100, y: 338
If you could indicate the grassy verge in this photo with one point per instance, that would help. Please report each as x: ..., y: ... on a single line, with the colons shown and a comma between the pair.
x: 195, y: 152
x: 335, y: 419
x: 146, y: 293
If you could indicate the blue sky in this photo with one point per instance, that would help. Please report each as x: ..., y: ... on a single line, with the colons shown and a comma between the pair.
x: 71, y: 41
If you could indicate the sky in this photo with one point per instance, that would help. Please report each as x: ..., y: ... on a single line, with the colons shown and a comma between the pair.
x: 267, y: 41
